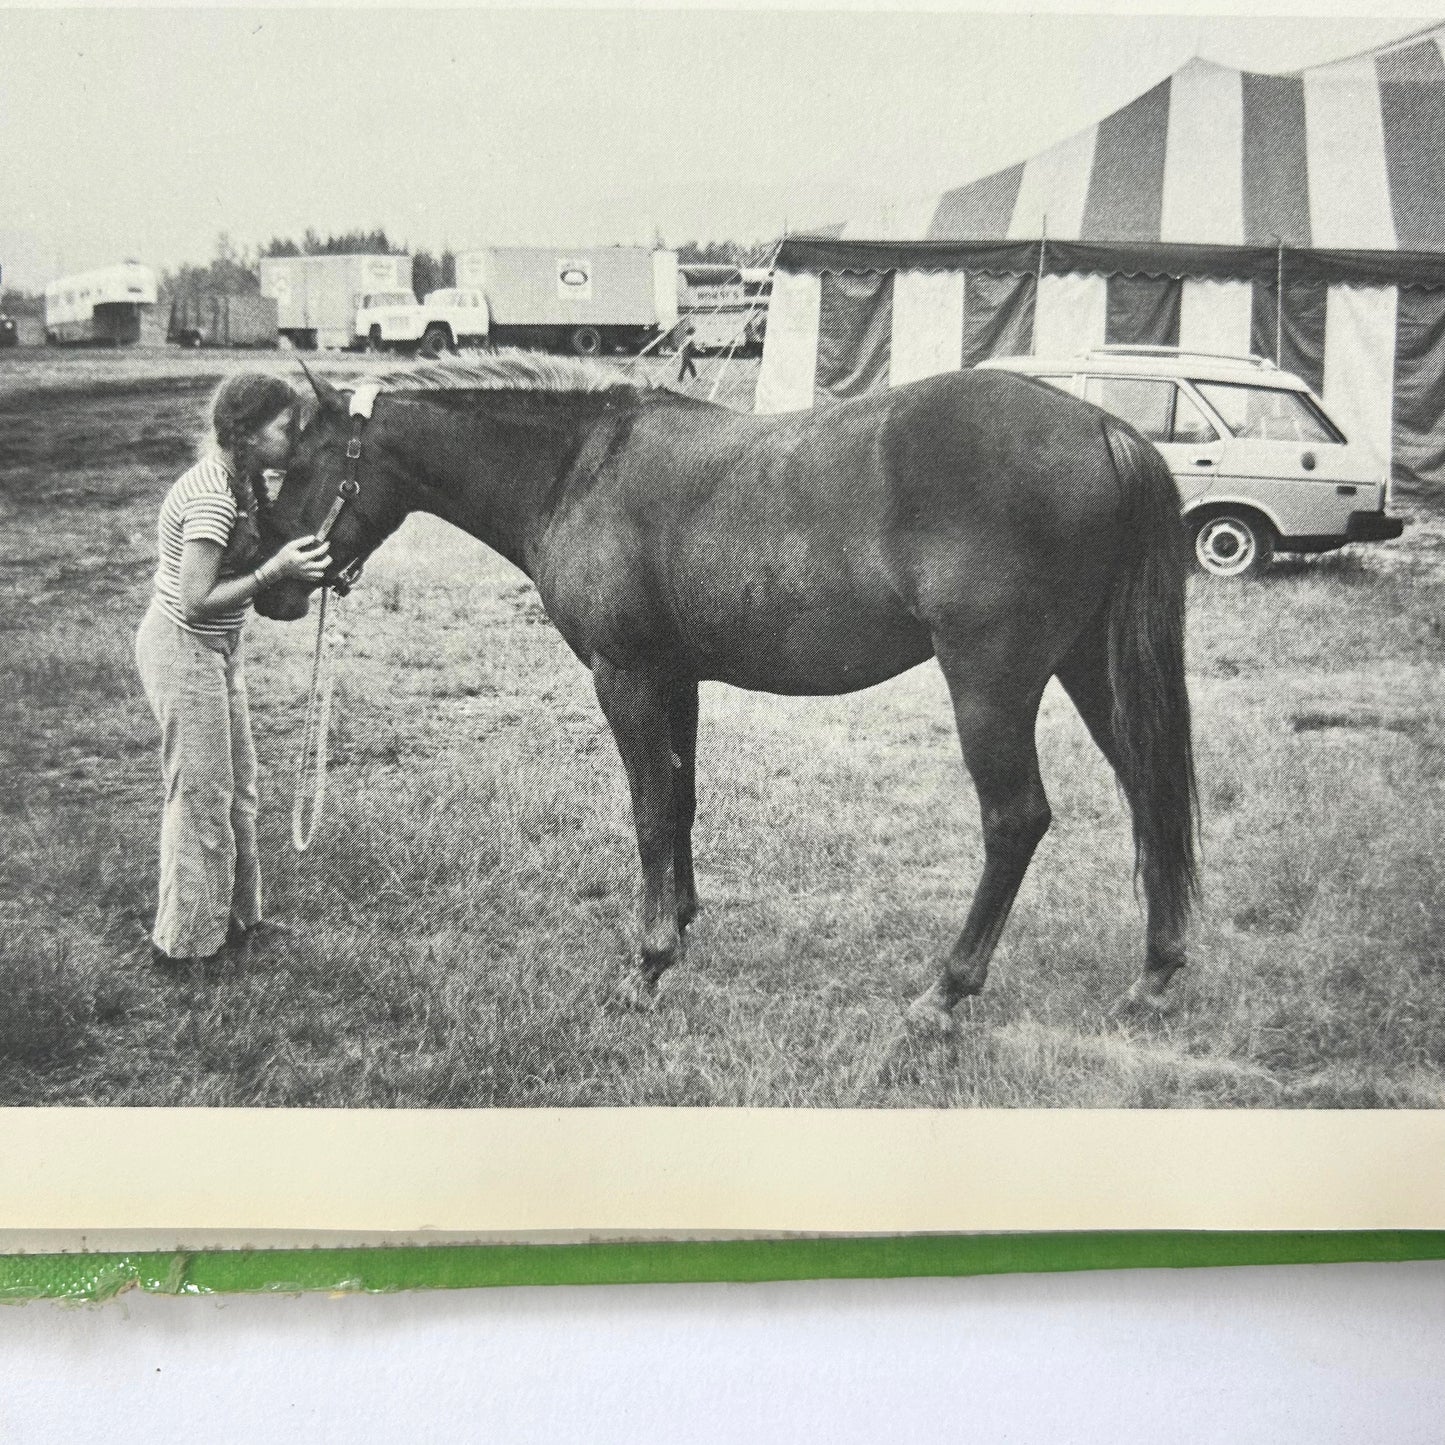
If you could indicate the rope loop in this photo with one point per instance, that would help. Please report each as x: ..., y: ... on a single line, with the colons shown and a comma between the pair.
x: 312, y: 763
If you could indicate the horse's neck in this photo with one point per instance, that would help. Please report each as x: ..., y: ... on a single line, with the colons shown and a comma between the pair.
x: 493, y: 473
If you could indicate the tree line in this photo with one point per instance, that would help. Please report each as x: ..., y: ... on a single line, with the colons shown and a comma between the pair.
x: 234, y: 271
x: 237, y: 271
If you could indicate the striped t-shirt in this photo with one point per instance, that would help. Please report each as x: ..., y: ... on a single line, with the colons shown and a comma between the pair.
x: 200, y: 506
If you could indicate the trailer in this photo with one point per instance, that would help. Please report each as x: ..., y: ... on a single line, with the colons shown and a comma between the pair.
x: 317, y: 297
x: 103, y: 306
x: 578, y: 299
x: 725, y: 311
x: 213, y: 318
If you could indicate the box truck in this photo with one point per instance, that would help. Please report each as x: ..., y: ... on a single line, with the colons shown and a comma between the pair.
x: 212, y: 318
x: 586, y: 300
x: 317, y: 297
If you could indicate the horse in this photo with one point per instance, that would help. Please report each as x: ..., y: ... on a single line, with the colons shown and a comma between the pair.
x: 983, y: 519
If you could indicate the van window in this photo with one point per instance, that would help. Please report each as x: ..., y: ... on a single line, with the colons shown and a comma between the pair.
x: 1191, y: 426
x: 1261, y: 413
x: 1148, y: 406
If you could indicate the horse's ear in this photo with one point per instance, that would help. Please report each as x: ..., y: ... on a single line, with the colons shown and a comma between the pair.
x: 329, y: 397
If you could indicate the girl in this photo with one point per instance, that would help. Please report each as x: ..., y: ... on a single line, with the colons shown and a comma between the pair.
x: 189, y: 653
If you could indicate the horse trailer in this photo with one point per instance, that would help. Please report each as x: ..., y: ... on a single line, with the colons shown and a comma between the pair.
x: 207, y: 318
x: 102, y: 306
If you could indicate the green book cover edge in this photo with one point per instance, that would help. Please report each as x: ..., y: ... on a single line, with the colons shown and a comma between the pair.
x: 97, y: 1277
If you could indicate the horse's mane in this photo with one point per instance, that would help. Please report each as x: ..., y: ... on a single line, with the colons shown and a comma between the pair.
x: 514, y: 370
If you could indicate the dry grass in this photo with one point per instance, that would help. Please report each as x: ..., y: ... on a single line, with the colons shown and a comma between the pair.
x: 470, y: 897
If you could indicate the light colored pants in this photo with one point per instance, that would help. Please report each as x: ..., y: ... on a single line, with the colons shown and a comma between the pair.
x: 209, y: 869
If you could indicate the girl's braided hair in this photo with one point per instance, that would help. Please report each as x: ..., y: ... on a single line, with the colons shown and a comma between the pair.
x: 241, y: 406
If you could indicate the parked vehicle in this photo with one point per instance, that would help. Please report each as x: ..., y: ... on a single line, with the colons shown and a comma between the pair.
x: 714, y: 300
x: 1261, y: 466
x: 317, y: 297
x: 211, y: 318
x: 103, y: 306
x: 445, y: 321
x: 586, y: 301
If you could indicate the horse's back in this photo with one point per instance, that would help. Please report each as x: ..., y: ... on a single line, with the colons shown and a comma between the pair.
x: 958, y: 442
x: 819, y: 551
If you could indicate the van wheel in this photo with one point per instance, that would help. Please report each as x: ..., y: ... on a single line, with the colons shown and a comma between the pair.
x: 436, y: 341
x: 587, y: 341
x: 1233, y: 544
x: 374, y: 343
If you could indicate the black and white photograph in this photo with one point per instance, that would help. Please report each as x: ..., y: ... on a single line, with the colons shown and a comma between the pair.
x: 698, y: 559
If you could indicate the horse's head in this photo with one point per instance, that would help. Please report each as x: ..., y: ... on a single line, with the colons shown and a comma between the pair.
x: 318, y: 474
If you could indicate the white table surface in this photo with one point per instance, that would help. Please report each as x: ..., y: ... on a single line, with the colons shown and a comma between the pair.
x: 1310, y: 1354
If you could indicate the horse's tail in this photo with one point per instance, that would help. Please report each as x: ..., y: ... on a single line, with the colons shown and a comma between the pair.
x: 1146, y: 676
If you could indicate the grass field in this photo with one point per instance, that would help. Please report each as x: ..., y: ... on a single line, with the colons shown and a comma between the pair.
x: 471, y: 894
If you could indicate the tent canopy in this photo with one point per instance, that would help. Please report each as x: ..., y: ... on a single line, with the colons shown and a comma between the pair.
x: 1209, y: 173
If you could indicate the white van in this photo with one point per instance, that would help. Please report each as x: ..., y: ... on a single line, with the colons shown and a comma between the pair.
x: 1261, y: 466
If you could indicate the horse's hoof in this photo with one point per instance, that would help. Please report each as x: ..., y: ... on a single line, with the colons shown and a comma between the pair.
x: 1142, y: 1000
x: 634, y: 993
x: 929, y: 1014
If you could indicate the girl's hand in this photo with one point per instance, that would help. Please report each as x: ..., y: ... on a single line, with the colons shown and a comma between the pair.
x: 304, y: 560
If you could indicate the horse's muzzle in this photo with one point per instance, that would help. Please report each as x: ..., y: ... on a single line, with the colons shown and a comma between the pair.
x: 283, y: 602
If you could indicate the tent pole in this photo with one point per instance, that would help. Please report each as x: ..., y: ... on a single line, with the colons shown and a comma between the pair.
x: 1038, y: 286
x: 1279, y: 303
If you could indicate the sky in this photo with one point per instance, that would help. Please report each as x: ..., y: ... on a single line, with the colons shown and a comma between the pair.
x: 145, y: 133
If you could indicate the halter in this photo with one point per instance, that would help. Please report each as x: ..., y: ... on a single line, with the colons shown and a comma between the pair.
x: 362, y: 401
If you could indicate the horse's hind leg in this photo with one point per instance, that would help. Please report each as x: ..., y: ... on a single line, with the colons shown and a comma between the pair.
x: 996, y: 712
x: 636, y: 707
x: 1084, y: 675
x: 682, y: 726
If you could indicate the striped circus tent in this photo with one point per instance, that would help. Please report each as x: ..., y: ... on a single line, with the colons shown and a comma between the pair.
x: 1300, y: 217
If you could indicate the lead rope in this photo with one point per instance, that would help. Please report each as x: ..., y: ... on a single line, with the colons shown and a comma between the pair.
x: 316, y: 728
x: 315, y: 731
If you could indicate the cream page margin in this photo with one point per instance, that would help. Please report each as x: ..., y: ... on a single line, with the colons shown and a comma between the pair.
x: 127, y: 1178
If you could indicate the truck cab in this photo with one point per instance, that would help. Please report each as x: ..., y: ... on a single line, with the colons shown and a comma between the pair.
x: 446, y: 320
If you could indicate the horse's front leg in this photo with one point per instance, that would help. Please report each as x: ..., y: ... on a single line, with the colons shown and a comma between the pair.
x: 637, y: 710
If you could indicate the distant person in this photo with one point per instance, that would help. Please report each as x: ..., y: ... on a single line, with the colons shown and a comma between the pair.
x: 189, y: 651
x: 685, y: 354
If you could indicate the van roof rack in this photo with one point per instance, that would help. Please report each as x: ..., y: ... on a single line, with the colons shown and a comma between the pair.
x: 1260, y: 363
